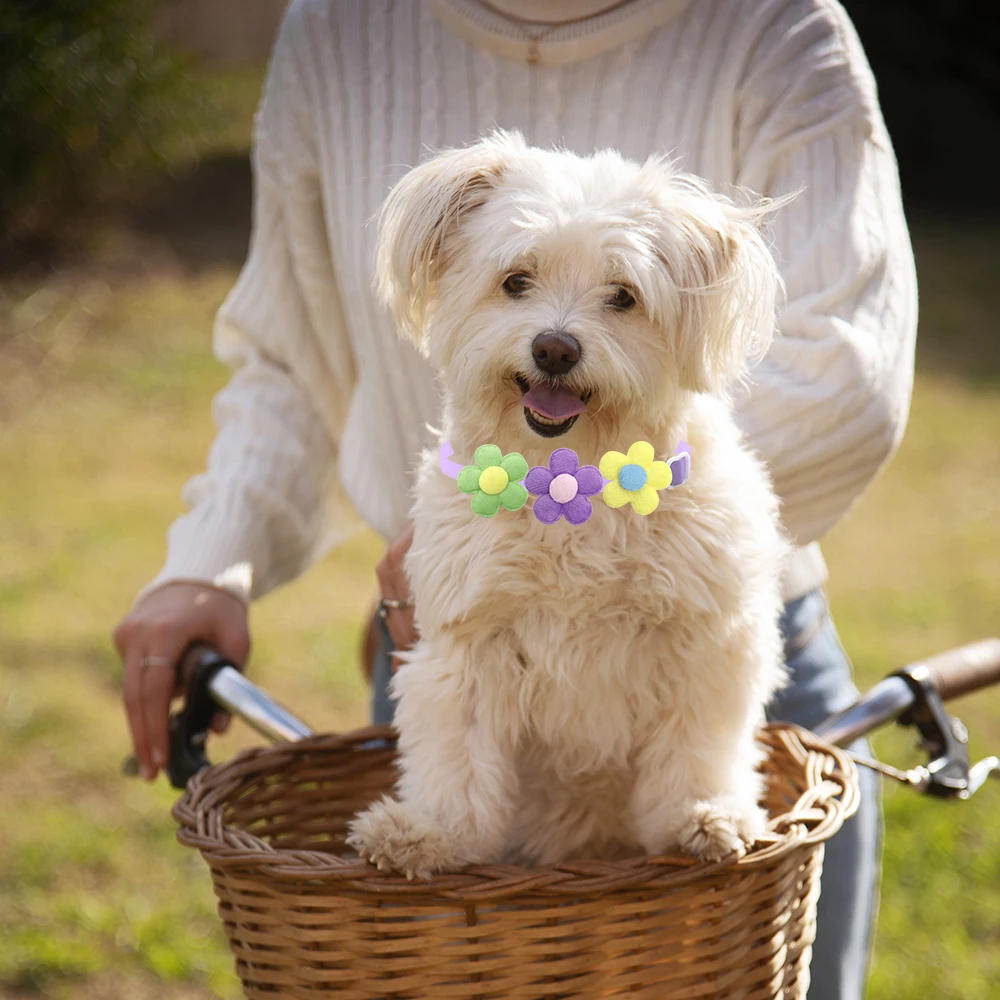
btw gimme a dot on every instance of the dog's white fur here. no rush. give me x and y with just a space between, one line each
592 690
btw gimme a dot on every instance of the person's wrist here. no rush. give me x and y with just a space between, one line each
236 592
193 567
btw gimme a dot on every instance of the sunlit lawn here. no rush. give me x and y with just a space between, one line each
105 382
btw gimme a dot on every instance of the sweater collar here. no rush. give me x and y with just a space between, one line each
558 44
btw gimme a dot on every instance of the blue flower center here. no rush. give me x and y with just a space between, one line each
632 477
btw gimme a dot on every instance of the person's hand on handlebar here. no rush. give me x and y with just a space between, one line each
395 586
151 639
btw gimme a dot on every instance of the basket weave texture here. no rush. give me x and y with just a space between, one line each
307 919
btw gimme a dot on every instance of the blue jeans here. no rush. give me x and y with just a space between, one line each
821 684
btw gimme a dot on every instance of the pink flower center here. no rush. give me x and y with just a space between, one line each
563 488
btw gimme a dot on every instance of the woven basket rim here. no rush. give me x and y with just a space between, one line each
832 797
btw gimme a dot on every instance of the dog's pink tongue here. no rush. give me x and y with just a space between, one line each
556 404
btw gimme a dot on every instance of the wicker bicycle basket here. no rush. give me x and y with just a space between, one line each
307 919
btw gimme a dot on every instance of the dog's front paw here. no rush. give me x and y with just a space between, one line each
394 839
718 828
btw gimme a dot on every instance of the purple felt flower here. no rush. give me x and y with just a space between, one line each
563 488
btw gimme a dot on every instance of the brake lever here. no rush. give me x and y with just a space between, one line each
943 736
949 773
978 773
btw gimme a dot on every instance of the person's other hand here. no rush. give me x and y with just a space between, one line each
151 639
396 587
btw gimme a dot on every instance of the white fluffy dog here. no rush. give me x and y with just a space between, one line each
586 690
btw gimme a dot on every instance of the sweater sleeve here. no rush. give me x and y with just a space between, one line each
257 514
828 405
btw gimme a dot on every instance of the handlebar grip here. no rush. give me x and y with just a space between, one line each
189 727
964 669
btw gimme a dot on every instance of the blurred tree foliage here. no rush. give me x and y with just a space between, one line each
88 93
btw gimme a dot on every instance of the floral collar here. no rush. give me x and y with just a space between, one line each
564 487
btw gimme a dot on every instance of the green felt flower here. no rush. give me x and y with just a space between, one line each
495 481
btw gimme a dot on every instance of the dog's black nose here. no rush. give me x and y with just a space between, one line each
554 352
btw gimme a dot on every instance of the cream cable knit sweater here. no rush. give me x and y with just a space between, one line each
774 95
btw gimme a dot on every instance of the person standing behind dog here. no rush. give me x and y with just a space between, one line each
774 96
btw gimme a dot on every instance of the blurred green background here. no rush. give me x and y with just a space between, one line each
106 377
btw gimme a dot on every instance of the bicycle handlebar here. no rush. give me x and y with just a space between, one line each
952 674
966 669
887 701
212 683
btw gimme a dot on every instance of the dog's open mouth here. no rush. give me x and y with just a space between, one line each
550 410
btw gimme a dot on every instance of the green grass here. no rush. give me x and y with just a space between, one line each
105 384
95 896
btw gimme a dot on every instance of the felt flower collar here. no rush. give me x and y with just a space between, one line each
564 488
495 480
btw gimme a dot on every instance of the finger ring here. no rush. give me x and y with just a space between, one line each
387 604
155 661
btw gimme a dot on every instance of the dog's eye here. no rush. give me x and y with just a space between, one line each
622 298
517 283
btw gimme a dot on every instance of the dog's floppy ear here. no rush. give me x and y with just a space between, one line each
727 283
421 216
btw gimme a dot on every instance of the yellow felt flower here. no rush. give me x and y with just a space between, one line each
635 478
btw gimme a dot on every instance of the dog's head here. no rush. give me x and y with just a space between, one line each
549 288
